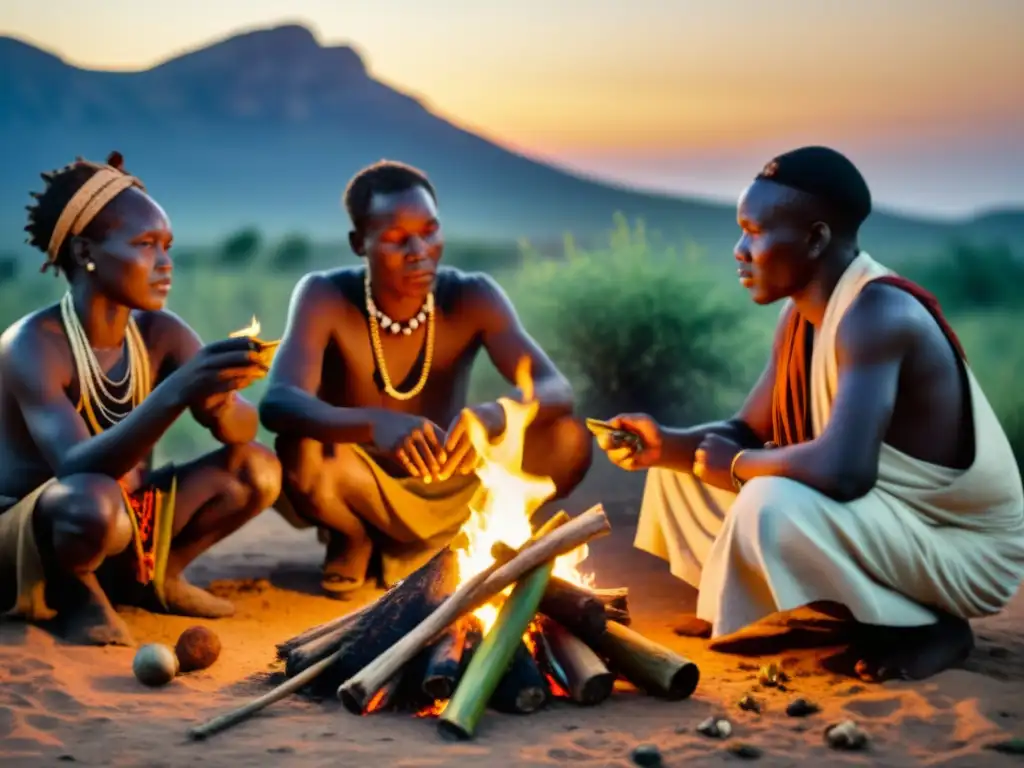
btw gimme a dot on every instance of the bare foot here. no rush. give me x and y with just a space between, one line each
344 565
89 618
913 653
690 626
184 599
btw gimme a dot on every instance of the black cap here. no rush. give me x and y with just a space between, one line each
825 174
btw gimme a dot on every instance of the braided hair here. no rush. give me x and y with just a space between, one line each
61 186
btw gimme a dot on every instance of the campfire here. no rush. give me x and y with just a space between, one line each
502 618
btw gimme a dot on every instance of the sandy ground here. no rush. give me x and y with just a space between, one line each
82 705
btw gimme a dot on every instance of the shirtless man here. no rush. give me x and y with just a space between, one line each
87 388
368 390
865 471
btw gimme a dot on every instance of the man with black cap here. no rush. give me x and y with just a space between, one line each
866 470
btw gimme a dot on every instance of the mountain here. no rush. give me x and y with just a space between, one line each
265 128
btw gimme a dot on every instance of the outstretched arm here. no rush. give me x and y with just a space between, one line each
507 342
873 340
36 370
751 427
229 417
291 406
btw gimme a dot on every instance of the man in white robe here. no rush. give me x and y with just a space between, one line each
866 469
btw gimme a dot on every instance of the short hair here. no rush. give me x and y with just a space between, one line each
826 175
384 177
61 186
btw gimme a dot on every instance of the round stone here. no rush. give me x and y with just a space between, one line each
197 648
155 664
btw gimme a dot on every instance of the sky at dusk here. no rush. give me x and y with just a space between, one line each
927 96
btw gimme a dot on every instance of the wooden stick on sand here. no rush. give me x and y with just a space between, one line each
355 692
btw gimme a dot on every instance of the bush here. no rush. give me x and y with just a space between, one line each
241 247
970 277
293 254
638 329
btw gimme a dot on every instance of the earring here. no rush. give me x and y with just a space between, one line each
90 266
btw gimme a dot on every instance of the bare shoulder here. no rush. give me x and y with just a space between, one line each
883 322
35 347
328 290
477 293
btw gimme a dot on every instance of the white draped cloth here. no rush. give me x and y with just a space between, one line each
925 536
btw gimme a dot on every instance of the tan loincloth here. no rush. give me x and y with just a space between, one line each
413 522
925 537
20 562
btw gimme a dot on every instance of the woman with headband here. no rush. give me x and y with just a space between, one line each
87 388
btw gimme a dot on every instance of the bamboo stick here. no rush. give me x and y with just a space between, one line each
491 660
243 712
589 681
473 593
648 665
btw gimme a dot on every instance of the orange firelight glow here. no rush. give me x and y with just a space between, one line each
508 496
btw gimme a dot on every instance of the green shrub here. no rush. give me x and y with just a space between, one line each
638 329
970 277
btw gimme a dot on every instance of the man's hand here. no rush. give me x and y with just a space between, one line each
712 461
414 442
629 458
462 458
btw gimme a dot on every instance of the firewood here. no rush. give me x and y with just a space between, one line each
389 619
522 689
492 659
588 680
649 666
287 646
474 592
387 696
237 715
579 609
309 653
447 659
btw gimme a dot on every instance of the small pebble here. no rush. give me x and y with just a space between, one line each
155 664
846 736
647 755
771 676
715 728
802 708
745 751
749 704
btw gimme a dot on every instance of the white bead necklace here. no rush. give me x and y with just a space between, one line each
394 326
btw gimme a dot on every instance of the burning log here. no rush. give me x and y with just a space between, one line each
522 689
445 663
478 590
616 604
309 653
391 618
651 667
287 646
582 611
387 695
587 679
493 657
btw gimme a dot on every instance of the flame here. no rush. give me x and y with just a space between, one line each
377 701
253 329
508 496
433 710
